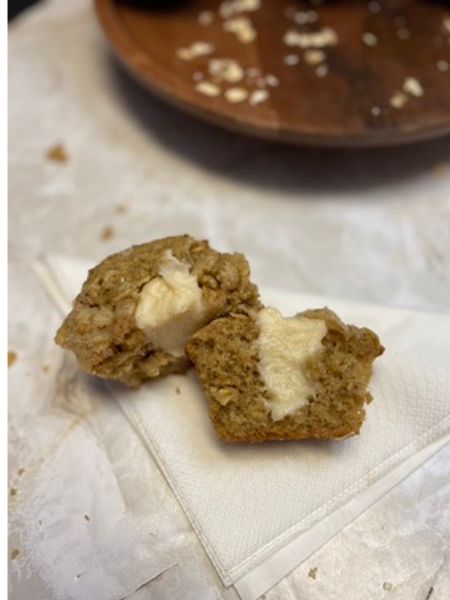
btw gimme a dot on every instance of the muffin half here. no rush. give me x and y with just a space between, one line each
138 308
267 377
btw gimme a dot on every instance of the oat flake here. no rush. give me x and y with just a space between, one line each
398 100
234 7
236 94
314 57
208 89
226 69
194 50
242 28
413 87
272 80
316 39
369 39
258 96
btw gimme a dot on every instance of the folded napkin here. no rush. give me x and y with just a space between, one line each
261 510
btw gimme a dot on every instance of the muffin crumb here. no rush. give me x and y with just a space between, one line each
248 373
58 153
313 573
107 233
12 358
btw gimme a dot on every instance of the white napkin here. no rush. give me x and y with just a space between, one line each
261 510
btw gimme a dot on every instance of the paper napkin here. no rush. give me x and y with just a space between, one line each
261 510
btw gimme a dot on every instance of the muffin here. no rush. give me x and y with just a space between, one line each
138 308
267 377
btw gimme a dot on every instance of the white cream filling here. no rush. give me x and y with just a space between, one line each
170 308
285 344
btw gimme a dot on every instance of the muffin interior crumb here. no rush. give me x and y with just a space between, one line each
226 356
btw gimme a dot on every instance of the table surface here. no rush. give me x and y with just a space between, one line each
372 225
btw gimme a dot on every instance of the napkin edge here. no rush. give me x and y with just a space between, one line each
268 573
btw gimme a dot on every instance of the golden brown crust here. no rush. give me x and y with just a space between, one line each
225 355
101 328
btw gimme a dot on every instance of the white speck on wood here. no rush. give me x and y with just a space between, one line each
236 94
194 50
242 28
316 39
369 39
234 7
314 57
413 87
398 100
226 69
207 88
258 96
272 80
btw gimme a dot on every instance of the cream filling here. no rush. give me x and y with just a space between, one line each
170 308
285 344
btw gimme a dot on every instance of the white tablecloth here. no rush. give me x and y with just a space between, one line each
359 225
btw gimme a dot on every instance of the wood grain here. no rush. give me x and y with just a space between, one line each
349 106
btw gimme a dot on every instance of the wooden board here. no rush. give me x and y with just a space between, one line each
346 99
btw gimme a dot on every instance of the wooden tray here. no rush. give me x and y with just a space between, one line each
383 78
